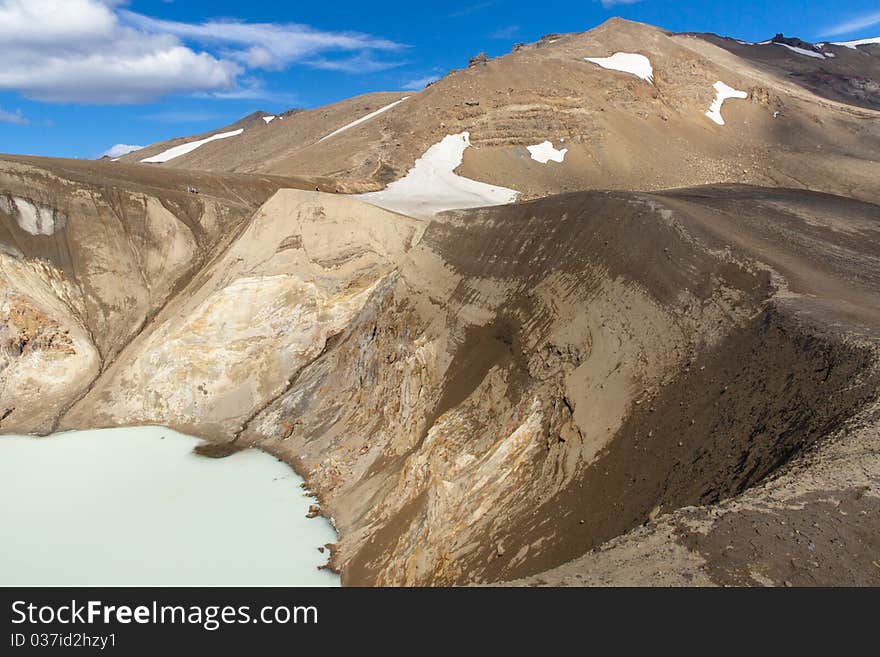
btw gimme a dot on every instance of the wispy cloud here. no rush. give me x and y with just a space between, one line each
96 52
15 117
505 32
181 116
853 24
420 83
613 3
264 45
471 9
362 63
250 88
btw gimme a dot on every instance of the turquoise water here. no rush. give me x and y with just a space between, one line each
136 506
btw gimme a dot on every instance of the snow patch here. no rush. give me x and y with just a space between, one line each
432 185
189 147
269 119
855 44
364 118
802 51
544 152
32 218
722 93
628 62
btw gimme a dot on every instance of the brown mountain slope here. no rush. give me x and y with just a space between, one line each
268 147
621 132
251 124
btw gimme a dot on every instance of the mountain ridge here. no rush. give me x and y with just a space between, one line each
620 132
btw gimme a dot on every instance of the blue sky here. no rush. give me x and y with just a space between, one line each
79 76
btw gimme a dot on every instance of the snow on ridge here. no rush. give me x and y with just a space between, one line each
363 119
432 185
189 147
627 62
802 51
544 152
269 119
855 44
722 93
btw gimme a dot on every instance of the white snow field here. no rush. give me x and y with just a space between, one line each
183 149
544 152
722 93
269 119
803 51
628 62
855 44
432 185
364 118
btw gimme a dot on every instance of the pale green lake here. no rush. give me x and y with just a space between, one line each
135 506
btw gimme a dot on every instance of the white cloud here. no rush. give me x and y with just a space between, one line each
15 117
91 51
78 51
119 150
853 24
29 22
420 83
265 45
